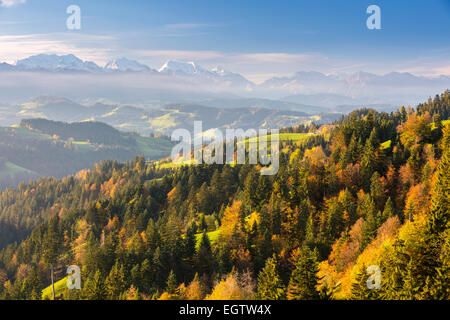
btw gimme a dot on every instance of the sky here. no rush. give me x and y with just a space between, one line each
257 38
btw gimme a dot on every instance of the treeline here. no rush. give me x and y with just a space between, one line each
372 190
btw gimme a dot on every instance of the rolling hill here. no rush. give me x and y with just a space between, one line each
146 119
40 147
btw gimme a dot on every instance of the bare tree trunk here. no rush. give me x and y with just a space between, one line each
53 284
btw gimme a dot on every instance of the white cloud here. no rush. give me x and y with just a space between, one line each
256 66
11 3
87 47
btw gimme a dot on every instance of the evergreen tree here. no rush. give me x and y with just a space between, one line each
270 285
440 202
115 282
376 191
250 186
371 221
172 283
368 164
304 279
94 288
388 211
360 290
190 242
310 231
205 260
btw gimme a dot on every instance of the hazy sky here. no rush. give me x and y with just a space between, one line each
254 37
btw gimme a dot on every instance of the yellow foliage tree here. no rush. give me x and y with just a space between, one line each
230 220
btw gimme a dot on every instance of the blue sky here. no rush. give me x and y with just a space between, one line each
254 37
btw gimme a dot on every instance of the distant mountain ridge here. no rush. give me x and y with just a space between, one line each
43 62
247 113
128 81
125 65
67 63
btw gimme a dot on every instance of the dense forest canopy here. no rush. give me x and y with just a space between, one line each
371 189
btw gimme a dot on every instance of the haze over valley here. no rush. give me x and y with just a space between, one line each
125 81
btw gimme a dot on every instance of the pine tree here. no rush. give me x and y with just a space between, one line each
158 268
172 283
190 242
376 191
203 225
388 211
310 231
264 249
368 164
115 282
205 261
95 288
335 219
270 285
439 128
250 186
360 290
440 207
304 279
371 221
410 287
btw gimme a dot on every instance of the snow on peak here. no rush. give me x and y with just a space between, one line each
219 70
56 63
188 68
124 64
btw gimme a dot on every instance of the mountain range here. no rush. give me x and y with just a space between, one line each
369 87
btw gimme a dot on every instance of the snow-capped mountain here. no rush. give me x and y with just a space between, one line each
56 63
219 70
217 75
230 77
126 65
181 68
177 78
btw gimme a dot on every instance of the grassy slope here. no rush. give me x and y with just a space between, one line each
386 145
294 137
10 169
213 237
60 286
153 147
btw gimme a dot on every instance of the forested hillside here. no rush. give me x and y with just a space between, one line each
40 148
371 189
